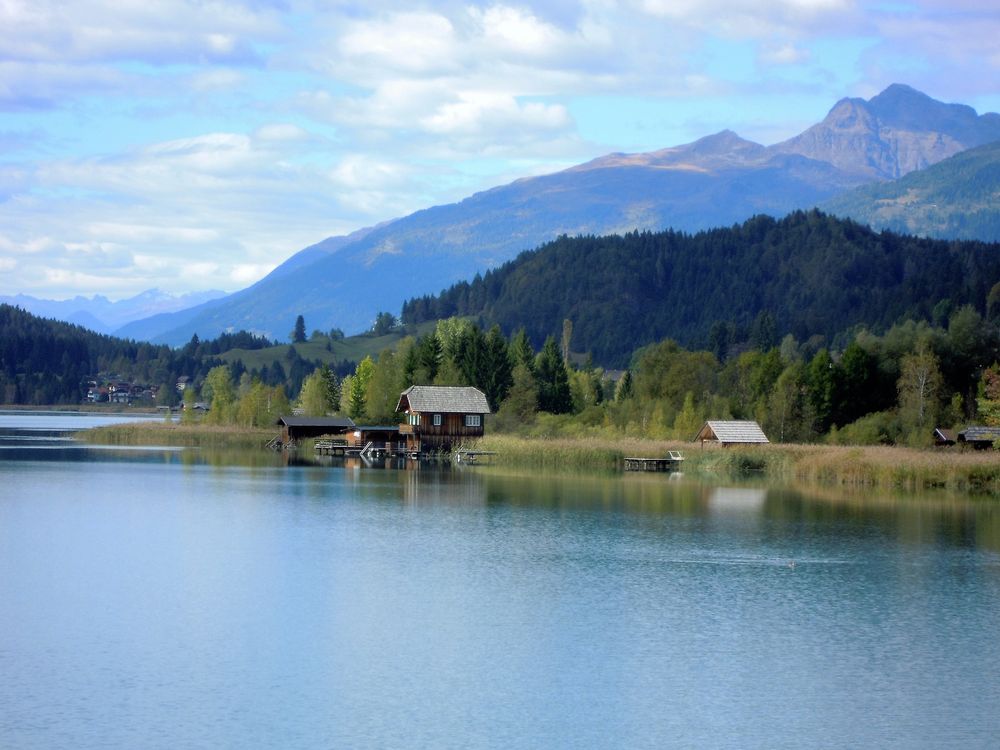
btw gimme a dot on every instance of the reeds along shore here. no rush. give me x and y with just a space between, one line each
178 434
846 466
869 466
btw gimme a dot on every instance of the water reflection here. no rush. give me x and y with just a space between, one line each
218 599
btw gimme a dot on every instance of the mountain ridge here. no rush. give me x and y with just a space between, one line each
100 314
718 180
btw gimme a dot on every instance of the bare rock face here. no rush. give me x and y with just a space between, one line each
897 132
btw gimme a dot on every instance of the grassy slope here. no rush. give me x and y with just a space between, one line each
954 199
352 348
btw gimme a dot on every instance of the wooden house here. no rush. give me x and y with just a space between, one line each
731 432
438 417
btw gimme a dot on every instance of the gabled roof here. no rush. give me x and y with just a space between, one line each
732 431
340 422
445 399
944 435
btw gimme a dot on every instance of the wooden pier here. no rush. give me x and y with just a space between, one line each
331 448
672 462
472 457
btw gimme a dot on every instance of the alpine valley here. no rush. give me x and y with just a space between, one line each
849 162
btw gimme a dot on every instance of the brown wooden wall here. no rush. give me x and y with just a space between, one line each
451 430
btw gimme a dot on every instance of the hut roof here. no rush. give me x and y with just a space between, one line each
732 431
334 422
944 435
978 434
448 399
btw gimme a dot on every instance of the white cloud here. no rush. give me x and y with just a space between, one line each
782 54
419 42
188 144
192 213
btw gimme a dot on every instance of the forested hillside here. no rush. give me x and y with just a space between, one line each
808 274
48 362
955 199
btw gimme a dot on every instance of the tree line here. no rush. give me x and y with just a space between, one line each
808 274
894 387
45 362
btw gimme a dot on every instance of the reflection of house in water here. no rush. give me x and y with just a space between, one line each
736 500
444 485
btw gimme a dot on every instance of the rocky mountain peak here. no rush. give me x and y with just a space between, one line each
892 134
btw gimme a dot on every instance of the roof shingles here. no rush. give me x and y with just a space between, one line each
444 399
732 431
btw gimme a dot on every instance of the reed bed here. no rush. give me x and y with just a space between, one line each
174 434
884 467
570 453
828 465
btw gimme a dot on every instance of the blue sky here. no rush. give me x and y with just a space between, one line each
191 145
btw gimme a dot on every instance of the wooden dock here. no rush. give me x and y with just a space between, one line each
331 447
672 462
472 457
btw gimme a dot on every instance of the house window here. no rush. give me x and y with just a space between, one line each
414 419
437 420
473 420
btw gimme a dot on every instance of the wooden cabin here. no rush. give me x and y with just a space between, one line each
731 432
438 416
979 437
299 428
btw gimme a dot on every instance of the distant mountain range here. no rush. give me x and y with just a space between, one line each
100 314
716 181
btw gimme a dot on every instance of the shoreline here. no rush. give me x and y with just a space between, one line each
152 411
857 467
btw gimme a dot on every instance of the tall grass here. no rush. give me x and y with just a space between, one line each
193 435
826 465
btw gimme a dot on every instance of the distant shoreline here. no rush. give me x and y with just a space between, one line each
152 411
875 467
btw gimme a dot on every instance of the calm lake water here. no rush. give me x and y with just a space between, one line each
162 598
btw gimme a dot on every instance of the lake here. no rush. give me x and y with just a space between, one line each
166 598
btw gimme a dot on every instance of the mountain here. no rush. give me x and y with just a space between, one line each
716 181
100 314
892 134
956 198
806 274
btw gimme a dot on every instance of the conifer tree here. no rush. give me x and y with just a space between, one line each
553 383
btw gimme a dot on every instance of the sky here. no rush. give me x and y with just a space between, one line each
189 145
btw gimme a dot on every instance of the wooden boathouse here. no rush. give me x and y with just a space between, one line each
295 428
440 417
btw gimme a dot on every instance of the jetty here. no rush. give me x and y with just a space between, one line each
472 456
671 462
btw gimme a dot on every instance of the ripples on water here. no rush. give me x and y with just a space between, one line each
158 599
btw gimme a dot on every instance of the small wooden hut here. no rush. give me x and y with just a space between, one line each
979 437
731 432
